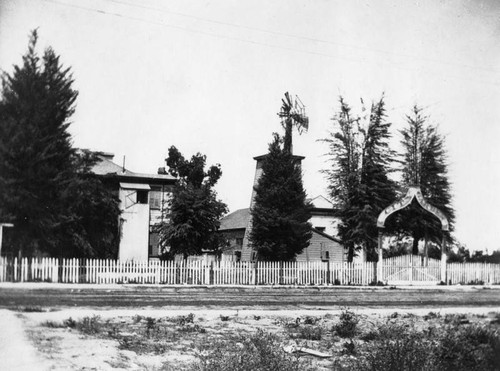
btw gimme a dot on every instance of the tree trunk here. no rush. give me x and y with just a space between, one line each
350 254
416 239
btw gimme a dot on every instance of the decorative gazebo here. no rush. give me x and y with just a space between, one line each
414 192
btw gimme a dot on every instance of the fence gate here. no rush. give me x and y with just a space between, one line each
411 270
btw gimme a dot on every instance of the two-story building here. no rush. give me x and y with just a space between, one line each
143 202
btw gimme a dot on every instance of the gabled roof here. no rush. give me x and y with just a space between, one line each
239 220
236 220
106 167
320 202
314 230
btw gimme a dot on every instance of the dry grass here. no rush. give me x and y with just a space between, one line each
199 342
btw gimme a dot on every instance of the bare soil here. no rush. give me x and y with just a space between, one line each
173 339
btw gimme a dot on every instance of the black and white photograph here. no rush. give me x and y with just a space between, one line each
249 185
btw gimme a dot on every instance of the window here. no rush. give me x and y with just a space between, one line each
142 196
155 200
325 255
253 256
154 242
237 255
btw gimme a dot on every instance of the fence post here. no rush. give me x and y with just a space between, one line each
378 276
443 260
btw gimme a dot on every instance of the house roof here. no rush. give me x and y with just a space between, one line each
314 230
239 220
320 202
236 220
106 167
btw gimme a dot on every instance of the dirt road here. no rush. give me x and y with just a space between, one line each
125 296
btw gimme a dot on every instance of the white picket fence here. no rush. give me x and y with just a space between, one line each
184 272
403 270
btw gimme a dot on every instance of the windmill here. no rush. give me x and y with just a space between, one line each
293 113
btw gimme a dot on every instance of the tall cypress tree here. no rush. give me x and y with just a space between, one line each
359 182
45 187
424 164
35 149
280 227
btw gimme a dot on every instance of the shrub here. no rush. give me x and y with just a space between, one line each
53 324
89 325
192 328
182 320
70 322
396 348
347 326
310 320
349 347
308 333
260 351
468 348
369 336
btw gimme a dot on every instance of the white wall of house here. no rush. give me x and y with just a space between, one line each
134 227
318 245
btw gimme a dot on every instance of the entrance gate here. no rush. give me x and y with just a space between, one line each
411 270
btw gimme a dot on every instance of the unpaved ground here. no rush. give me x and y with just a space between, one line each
283 297
112 347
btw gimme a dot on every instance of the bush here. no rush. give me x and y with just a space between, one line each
70 322
396 348
53 324
89 325
347 327
468 348
259 352
308 333
311 320
182 320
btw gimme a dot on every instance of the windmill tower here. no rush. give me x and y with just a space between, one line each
292 114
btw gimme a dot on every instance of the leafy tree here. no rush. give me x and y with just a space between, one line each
94 230
42 187
280 227
359 182
194 211
424 163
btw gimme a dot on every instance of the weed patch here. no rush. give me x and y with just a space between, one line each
347 326
261 351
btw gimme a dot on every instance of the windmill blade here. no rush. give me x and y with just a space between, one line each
287 96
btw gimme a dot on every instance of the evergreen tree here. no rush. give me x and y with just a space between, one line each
42 182
424 164
359 182
35 150
194 211
280 227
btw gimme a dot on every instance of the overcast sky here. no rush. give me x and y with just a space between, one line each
208 76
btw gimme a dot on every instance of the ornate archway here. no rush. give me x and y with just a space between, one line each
414 192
